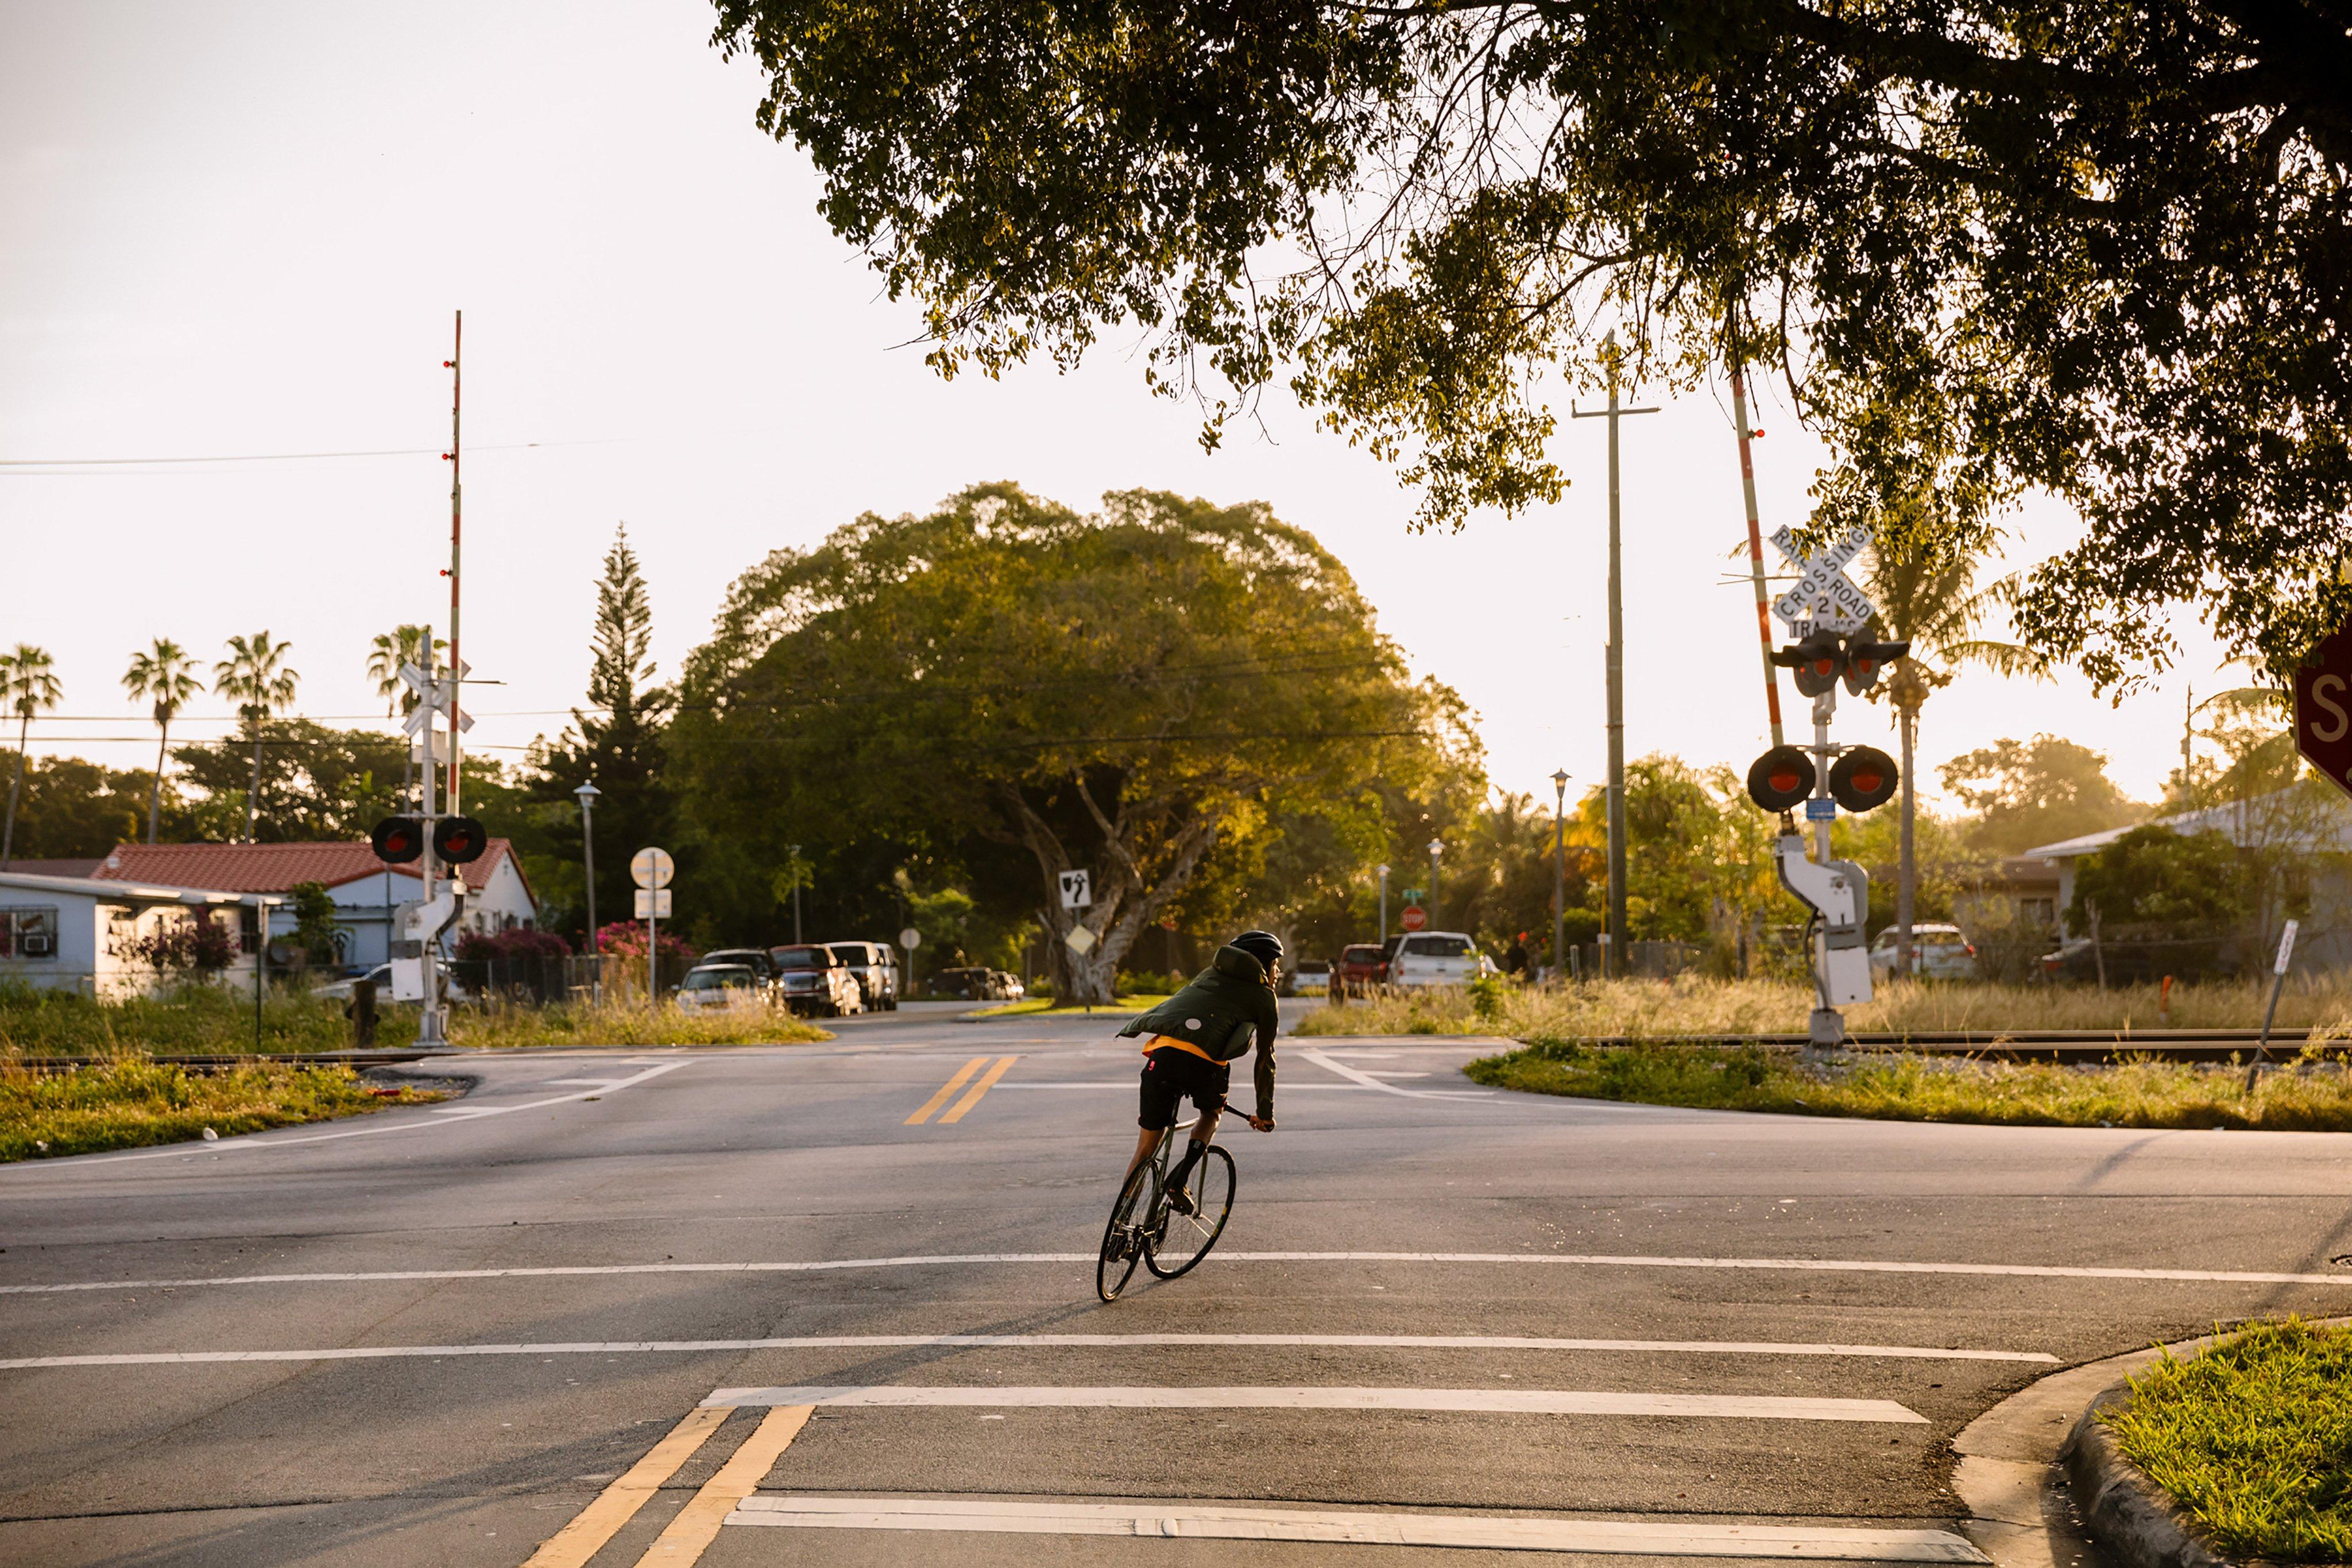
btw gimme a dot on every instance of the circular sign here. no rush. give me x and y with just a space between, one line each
910 938
1413 918
652 868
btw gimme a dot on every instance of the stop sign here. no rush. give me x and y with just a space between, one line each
1413 918
2323 706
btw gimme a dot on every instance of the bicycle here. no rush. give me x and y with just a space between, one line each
1145 1227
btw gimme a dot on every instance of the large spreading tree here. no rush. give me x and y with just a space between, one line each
2099 248
1129 693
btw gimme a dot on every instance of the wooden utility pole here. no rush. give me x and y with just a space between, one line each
1617 934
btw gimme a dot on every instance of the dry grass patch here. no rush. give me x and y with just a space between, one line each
625 1021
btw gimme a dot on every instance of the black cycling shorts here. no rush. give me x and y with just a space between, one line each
1171 1076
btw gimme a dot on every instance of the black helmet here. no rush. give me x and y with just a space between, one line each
1263 946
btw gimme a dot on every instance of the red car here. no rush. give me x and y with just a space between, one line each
1363 965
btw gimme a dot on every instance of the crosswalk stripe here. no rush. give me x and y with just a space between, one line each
987 1083
580 1539
689 1535
1492 1401
939 1099
1018 1342
1680 1538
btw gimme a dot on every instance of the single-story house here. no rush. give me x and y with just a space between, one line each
2311 817
2016 893
372 899
75 932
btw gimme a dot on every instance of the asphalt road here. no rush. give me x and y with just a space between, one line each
456 1335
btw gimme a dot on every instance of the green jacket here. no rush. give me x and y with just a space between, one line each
1220 1010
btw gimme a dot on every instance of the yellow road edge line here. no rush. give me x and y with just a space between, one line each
980 1088
689 1535
618 1503
939 1099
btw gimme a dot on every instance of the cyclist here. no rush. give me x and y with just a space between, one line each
1191 1041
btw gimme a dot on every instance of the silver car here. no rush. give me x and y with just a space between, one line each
1939 952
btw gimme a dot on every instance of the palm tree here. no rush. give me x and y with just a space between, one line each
255 677
391 650
166 675
1924 590
28 682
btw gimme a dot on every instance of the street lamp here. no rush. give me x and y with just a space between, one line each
1437 848
1384 903
1559 873
586 795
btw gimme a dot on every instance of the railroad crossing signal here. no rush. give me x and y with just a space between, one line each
397 839
1863 779
1780 778
1820 658
2322 707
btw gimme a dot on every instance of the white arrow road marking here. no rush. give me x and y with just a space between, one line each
1368 1081
1017 1342
1681 1538
1272 1396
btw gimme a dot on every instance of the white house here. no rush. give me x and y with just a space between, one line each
72 933
371 897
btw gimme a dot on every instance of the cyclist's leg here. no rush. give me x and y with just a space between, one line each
1157 1111
1146 1140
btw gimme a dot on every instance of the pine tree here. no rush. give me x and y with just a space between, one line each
616 740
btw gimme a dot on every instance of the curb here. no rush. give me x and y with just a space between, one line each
2122 1507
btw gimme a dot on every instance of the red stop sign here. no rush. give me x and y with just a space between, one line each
1413 918
2323 706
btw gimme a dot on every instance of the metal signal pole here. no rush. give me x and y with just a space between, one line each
456 520
1756 549
1616 668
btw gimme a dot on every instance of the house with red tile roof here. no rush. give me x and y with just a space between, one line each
372 899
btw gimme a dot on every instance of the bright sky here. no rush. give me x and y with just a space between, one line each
241 228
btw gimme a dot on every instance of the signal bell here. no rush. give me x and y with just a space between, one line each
1863 778
459 841
1781 777
397 839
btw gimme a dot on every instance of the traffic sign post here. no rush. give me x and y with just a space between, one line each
1077 892
2322 707
652 870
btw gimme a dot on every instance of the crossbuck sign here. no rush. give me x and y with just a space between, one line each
1824 599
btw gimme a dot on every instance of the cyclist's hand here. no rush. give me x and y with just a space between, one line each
1262 1123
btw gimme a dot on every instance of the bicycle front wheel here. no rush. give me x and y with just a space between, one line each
1177 1241
1123 1241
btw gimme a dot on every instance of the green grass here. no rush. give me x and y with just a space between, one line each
130 1103
199 1020
2318 1007
2303 1096
2253 1436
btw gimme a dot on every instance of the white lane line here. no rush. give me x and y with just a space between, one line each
578 1083
449 1115
1277 1396
939 1260
1611 1536
1023 1341
1368 1081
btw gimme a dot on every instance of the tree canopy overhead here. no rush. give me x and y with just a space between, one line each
1119 693
2095 247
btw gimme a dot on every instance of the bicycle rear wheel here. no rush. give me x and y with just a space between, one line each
1177 1241
1123 1242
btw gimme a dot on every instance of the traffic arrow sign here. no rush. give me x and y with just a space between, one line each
2322 707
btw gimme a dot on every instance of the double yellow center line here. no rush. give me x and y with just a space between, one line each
690 1532
963 1076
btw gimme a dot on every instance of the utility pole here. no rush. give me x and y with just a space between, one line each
1384 904
1559 874
1755 548
1437 848
796 896
1616 956
431 1029
456 520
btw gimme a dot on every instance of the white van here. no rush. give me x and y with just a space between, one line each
1437 959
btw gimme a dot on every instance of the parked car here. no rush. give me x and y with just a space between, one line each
1307 975
814 983
1438 958
720 988
875 967
1939 953
1010 985
759 960
973 983
453 988
1363 967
